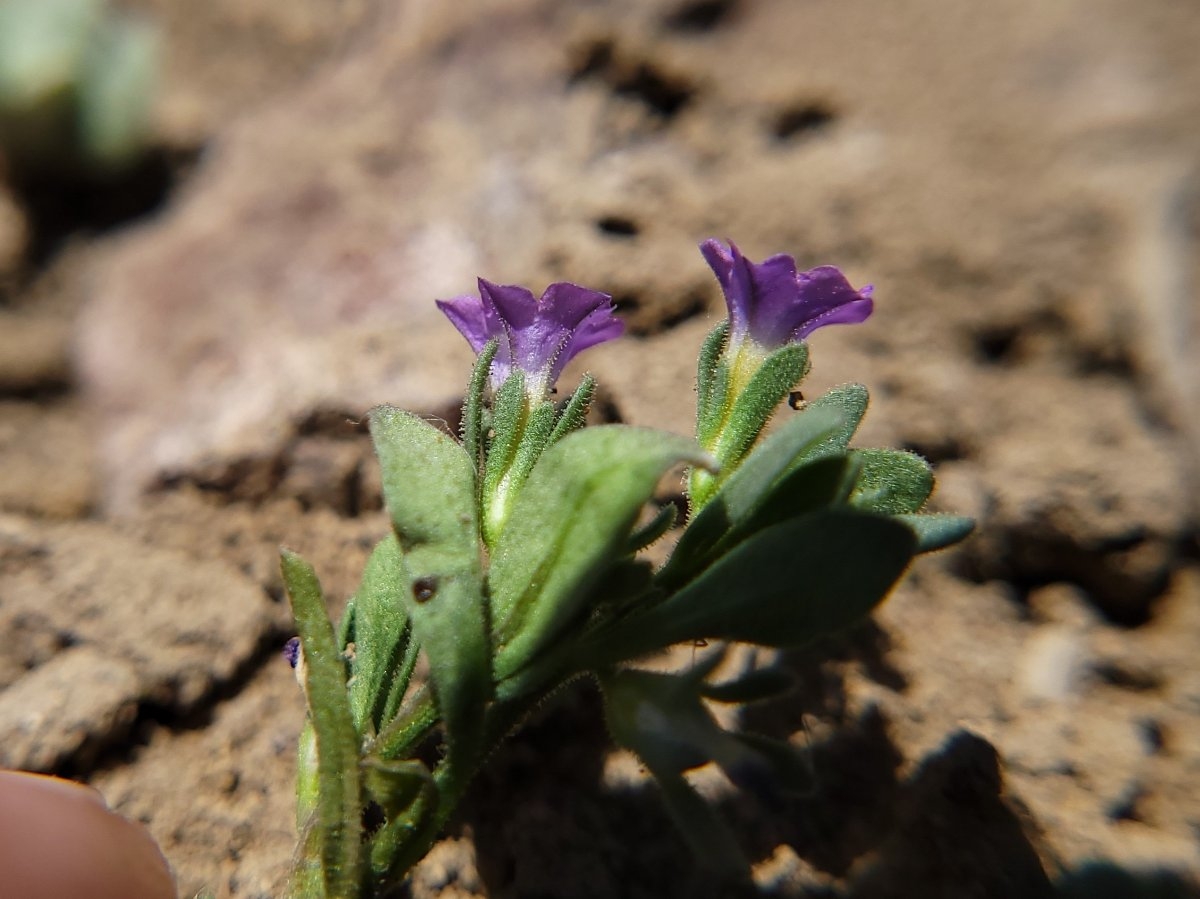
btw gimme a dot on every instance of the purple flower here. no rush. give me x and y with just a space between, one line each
774 304
539 337
291 651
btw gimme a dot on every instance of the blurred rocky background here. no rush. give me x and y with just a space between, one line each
204 284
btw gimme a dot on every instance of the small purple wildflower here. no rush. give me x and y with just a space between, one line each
291 651
774 304
538 337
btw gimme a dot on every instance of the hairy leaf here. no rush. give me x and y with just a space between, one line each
891 482
750 485
712 382
753 686
571 521
338 804
574 414
784 586
937 531
381 635
472 416
429 487
851 401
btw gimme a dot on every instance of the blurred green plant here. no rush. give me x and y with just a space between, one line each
514 566
77 82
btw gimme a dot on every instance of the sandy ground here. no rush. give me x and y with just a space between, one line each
183 354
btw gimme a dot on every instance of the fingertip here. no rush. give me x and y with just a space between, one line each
58 839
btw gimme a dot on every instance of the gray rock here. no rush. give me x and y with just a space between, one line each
141 623
1053 665
66 708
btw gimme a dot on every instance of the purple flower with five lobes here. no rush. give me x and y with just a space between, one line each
538 337
774 304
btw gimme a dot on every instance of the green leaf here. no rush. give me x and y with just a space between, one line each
429 487
753 686
851 401
660 718
709 838
654 529
509 412
784 586
712 383
769 386
574 414
814 485
937 531
116 88
345 628
308 782
408 726
891 482
508 419
570 522
381 635
407 796
735 435
306 879
396 785
750 485
401 677
792 770
623 585
539 428
339 811
472 418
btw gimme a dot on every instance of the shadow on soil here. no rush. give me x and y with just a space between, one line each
544 825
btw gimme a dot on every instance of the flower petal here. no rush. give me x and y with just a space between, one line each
537 336
731 269
830 300
773 304
468 315
586 318
514 305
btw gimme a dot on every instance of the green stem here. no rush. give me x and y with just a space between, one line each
416 719
502 719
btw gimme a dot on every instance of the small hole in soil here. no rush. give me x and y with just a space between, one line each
700 15
627 302
1153 735
590 60
1136 680
662 94
341 424
802 120
693 305
1108 360
646 322
1126 807
59 204
945 449
997 345
617 226
606 411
